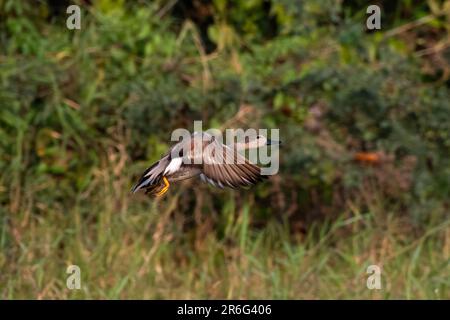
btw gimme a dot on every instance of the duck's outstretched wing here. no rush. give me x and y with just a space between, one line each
223 166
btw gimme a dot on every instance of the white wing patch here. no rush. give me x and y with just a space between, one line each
174 165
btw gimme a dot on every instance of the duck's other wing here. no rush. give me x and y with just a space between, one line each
223 166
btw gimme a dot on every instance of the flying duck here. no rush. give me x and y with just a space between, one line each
204 156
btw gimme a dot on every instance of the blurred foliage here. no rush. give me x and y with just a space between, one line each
362 114
136 71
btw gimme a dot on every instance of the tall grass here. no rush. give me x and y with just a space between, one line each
132 247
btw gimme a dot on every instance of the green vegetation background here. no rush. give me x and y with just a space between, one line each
365 167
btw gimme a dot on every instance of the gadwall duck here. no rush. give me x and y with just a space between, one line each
204 156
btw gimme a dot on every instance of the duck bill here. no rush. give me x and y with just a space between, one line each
273 142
